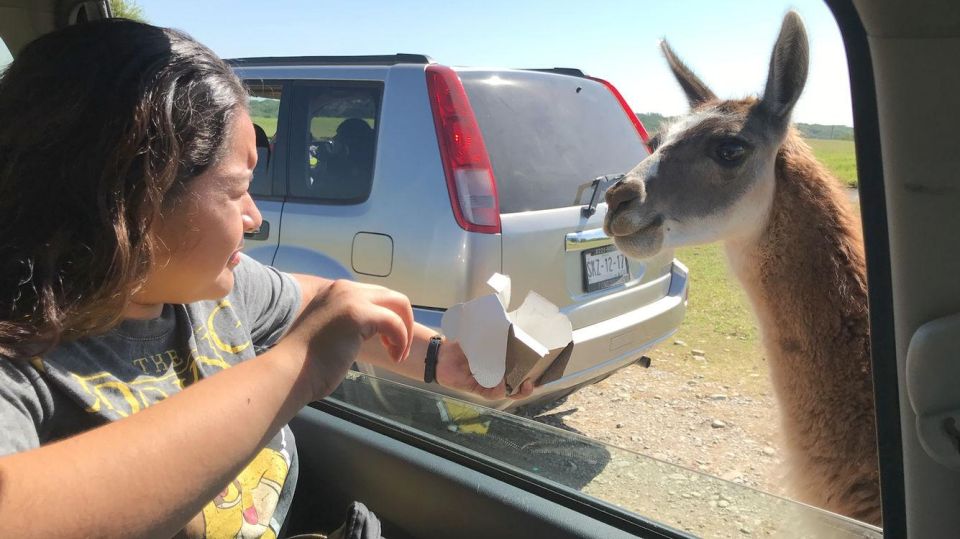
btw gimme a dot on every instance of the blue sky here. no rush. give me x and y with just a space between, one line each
726 42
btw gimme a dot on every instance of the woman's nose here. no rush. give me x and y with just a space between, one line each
251 216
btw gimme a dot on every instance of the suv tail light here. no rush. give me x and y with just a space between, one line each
466 164
641 131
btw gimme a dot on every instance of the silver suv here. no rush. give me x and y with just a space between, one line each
427 179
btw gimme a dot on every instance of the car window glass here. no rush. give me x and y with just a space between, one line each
339 143
265 112
711 406
696 438
681 498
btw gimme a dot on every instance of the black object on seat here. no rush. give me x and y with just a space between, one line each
263 143
357 162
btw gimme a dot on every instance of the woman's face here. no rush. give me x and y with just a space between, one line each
201 237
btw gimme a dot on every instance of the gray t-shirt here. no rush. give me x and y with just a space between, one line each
89 382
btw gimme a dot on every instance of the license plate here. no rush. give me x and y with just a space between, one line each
604 267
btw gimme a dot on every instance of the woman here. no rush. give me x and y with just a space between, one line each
149 368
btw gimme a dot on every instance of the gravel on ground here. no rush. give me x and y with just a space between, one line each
695 454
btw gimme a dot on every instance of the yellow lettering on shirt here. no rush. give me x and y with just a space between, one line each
215 339
175 360
159 362
141 362
169 371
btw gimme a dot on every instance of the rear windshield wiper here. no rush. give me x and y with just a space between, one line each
597 183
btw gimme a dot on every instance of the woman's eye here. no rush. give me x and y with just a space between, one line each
731 152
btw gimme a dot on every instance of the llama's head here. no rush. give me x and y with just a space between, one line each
711 176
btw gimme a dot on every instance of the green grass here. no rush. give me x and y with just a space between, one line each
269 125
838 156
717 303
719 322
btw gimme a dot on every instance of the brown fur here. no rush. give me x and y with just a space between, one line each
806 279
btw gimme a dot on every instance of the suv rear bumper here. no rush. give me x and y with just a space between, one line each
620 341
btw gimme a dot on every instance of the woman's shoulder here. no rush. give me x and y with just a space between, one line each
23 386
256 287
22 370
250 272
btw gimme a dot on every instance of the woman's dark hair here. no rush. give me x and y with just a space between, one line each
101 126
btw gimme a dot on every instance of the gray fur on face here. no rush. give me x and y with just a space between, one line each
690 190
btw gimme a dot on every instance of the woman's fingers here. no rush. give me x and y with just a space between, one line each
406 314
410 321
496 392
399 304
526 388
387 313
393 329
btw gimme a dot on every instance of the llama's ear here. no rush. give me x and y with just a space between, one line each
697 92
788 68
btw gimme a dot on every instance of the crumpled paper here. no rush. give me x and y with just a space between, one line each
533 341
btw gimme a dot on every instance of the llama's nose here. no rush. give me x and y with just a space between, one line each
623 192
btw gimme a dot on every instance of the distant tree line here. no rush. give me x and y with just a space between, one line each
652 122
830 132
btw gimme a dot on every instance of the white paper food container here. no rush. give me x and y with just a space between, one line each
534 341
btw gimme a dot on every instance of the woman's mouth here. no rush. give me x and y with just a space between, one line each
234 259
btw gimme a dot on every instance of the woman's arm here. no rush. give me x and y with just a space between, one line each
453 370
148 474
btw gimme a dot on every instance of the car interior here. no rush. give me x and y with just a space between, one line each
427 482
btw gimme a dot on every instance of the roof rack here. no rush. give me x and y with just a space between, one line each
572 71
371 60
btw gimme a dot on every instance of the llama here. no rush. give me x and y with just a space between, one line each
736 171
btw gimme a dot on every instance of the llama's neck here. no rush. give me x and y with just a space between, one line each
805 277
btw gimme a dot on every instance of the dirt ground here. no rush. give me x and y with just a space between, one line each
683 420
669 416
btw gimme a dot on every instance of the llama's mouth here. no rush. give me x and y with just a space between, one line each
623 222
636 239
655 224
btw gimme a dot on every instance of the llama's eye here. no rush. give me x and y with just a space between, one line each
730 152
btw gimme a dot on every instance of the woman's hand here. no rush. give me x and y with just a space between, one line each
340 317
453 371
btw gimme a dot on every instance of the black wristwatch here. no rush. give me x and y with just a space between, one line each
430 362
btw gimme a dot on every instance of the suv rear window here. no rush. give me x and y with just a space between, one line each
549 136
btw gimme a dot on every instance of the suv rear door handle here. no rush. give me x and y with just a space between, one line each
261 233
